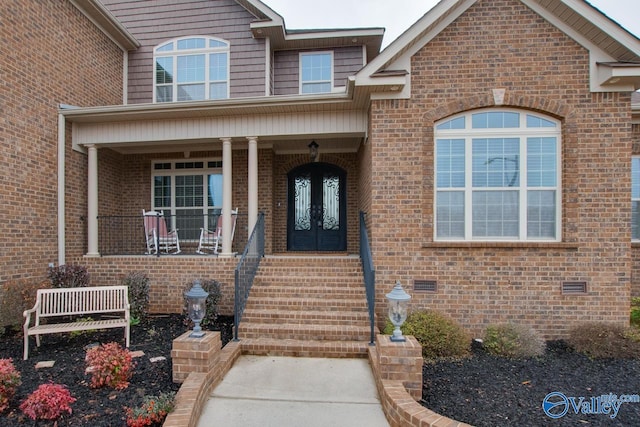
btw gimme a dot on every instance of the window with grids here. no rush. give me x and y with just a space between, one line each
635 198
191 69
189 192
497 177
316 72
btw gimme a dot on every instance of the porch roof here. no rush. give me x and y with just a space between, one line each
286 122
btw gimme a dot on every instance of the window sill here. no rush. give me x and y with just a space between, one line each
502 245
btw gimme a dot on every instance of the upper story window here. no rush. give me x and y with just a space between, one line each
497 175
316 72
191 69
635 198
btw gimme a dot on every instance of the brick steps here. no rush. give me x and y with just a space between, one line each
304 317
282 303
304 348
301 331
303 291
310 306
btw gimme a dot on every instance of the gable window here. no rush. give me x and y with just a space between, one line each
635 198
188 191
316 72
191 69
497 175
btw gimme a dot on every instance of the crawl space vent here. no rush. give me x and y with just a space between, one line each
574 288
425 286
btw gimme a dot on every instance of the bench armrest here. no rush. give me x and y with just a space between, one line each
27 314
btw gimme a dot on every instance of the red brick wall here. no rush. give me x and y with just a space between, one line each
542 70
50 54
635 248
169 276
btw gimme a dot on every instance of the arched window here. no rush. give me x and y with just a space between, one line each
497 177
191 69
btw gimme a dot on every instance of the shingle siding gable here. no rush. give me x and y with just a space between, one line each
153 22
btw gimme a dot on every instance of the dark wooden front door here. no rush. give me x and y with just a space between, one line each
316 216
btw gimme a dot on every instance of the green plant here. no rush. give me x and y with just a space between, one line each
48 402
439 336
153 410
68 276
138 284
600 340
9 382
15 297
212 287
513 340
110 365
635 311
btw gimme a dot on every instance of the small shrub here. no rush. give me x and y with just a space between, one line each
68 276
604 341
48 402
138 284
110 365
439 336
212 287
9 382
513 341
16 296
635 311
152 412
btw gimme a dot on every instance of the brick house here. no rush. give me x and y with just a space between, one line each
494 166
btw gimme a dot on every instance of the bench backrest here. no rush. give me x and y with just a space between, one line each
84 300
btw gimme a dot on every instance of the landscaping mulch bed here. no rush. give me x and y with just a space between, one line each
104 406
486 390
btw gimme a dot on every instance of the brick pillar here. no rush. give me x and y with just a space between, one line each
194 354
401 361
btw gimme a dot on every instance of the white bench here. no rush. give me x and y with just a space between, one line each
52 303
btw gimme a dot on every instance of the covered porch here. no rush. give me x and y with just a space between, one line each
196 161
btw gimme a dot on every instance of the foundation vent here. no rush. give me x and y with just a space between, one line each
574 288
425 286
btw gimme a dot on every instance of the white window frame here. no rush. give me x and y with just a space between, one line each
303 83
175 53
522 133
635 159
205 171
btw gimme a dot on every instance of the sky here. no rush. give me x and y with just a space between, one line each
398 15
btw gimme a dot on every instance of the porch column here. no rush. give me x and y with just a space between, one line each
92 201
252 203
227 198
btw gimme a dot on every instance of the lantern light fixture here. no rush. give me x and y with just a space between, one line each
398 305
197 307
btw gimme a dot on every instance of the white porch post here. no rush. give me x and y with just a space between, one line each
227 198
92 201
252 185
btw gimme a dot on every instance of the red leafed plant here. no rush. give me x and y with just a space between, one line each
48 402
110 365
152 412
9 382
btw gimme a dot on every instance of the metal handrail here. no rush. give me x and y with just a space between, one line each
246 271
369 274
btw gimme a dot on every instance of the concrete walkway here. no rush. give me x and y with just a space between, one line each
295 391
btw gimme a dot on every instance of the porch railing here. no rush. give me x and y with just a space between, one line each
246 271
369 274
124 234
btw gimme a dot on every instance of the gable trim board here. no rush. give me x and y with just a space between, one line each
615 45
